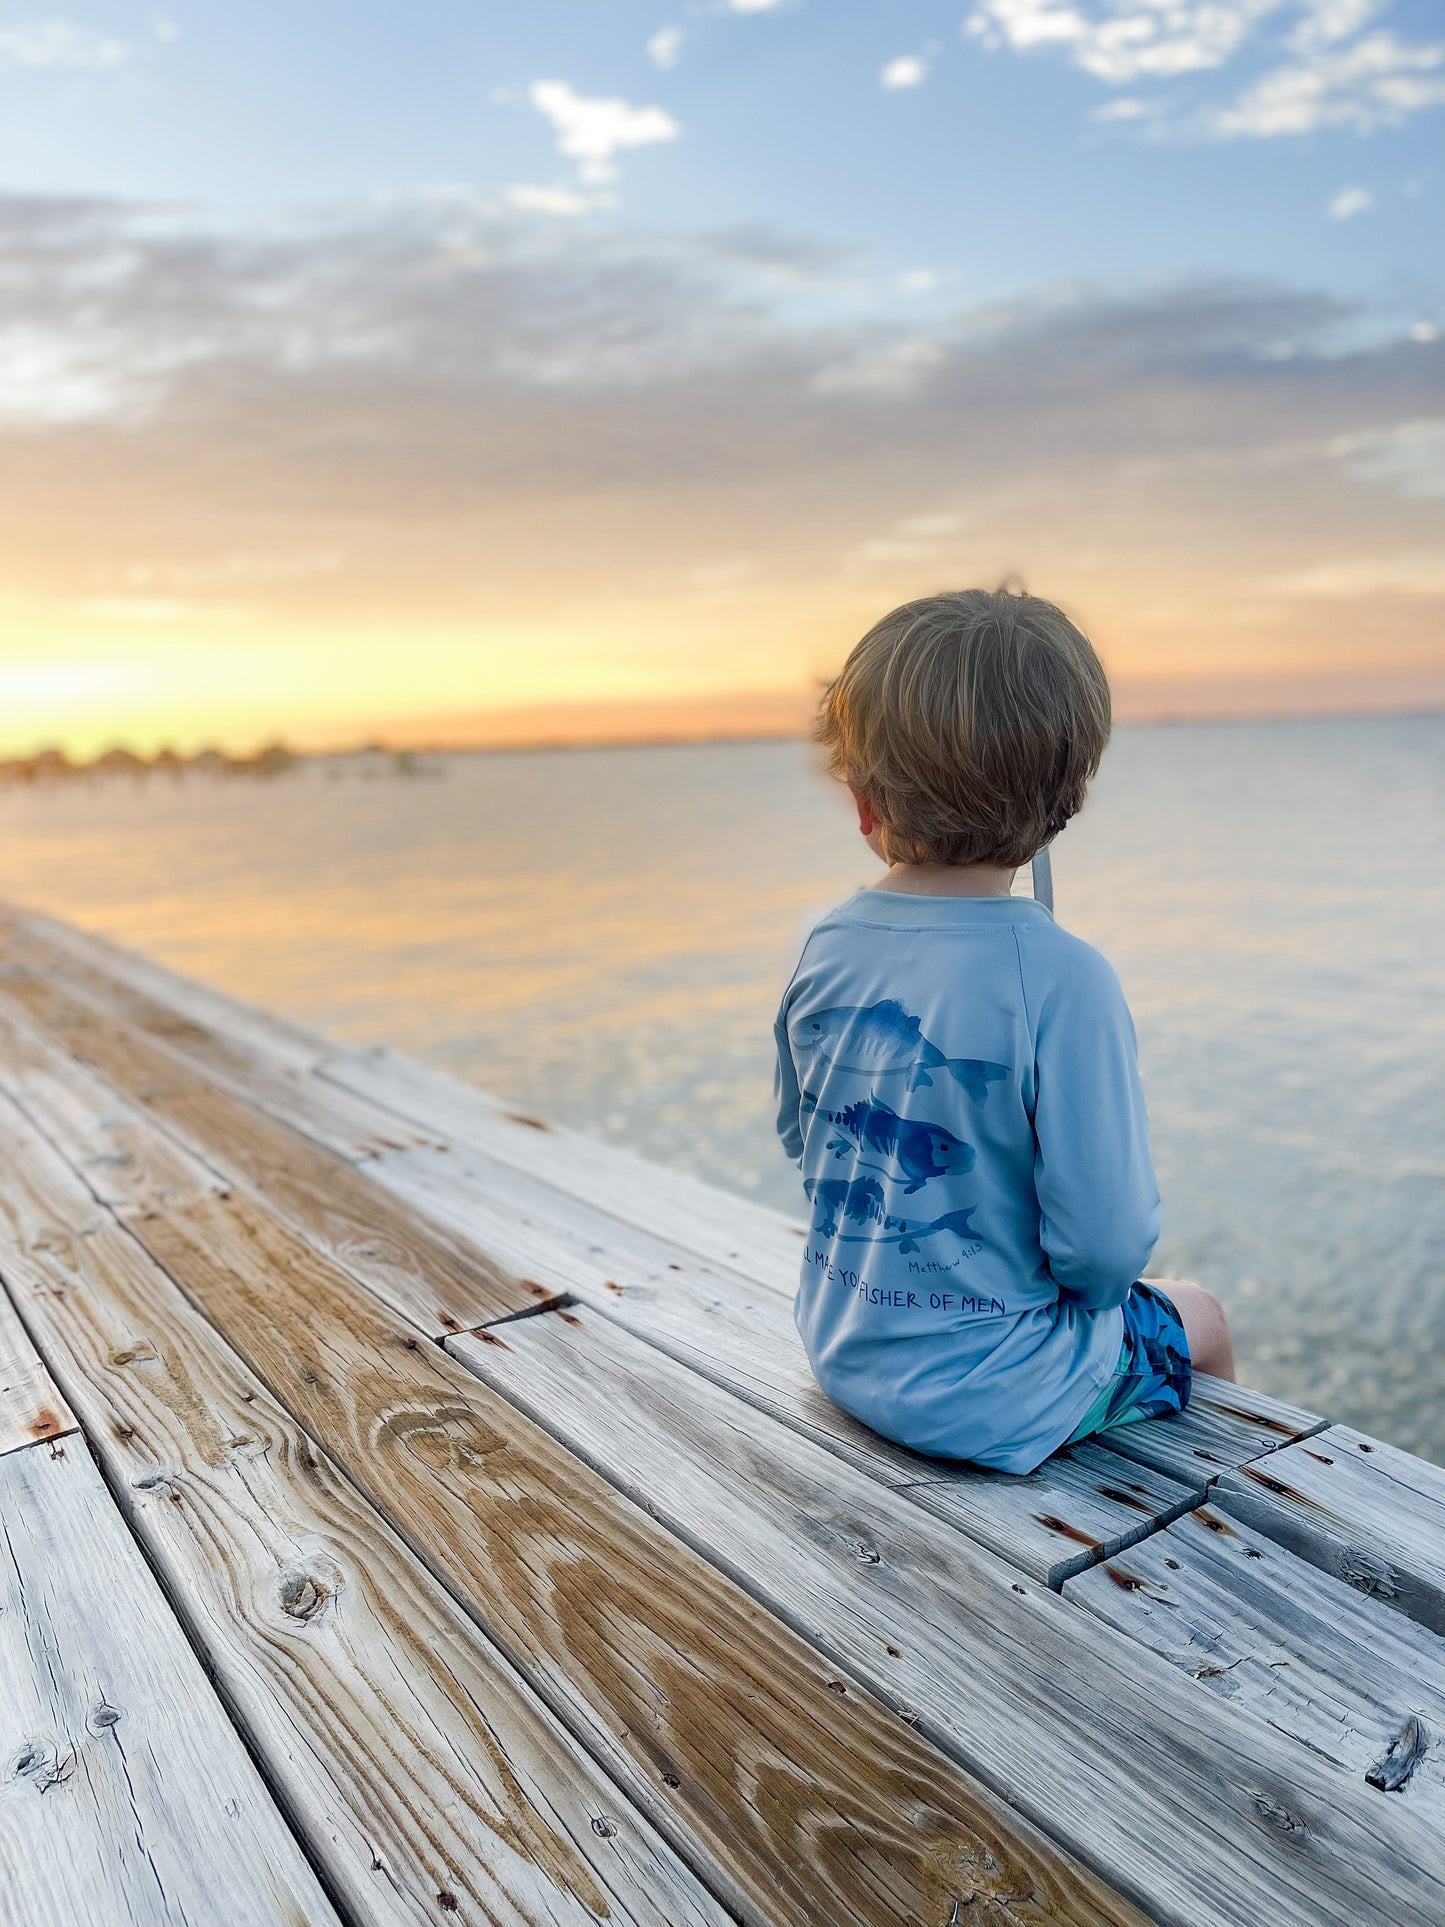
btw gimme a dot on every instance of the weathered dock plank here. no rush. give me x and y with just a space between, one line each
715 1225
412 1263
426 1780
1340 1673
278 1089
126 1796
1199 1810
261 1034
1224 1426
274 1065
1355 1507
31 1406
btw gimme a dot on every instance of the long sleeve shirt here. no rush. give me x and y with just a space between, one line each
958 1078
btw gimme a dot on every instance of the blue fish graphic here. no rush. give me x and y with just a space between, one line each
919 1149
960 1223
860 1200
883 1040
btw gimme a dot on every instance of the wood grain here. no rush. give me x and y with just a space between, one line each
427 1781
283 1090
696 1217
1339 1672
31 1407
798 1798
126 1796
1198 1810
420 1269
1357 1508
266 1037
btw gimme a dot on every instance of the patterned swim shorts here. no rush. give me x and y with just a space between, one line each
1153 1374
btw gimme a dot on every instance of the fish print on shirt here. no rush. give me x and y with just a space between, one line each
916 1148
883 1040
861 1201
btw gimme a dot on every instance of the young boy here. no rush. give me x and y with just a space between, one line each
957 1075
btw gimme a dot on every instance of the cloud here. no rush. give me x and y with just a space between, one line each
906 71
752 6
1408 458
665 47
1414 574
1349 202
491 426
593 130
1125 108
550 200
919 280
1333 72
59 43
1379 81
1125 42
912 539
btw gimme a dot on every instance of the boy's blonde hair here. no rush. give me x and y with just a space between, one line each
973 722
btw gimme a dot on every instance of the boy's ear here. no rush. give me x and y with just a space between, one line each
867 817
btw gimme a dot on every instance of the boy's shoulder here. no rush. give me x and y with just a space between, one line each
1058 964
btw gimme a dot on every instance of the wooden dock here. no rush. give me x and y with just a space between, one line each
411 1512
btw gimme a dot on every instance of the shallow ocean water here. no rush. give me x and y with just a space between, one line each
602 935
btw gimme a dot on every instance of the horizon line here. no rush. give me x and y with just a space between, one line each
748 715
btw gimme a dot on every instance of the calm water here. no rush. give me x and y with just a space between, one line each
602 935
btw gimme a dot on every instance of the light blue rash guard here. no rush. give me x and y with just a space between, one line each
958 1077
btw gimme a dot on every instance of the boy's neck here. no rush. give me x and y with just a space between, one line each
947 880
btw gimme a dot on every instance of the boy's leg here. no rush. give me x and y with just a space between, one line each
1211 1349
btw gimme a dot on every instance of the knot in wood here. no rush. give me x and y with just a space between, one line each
105 1716
603 1827
1367 1572
865 1554
1405 1753
441 1436
303 1594
1275 1815
40 1764
130 1354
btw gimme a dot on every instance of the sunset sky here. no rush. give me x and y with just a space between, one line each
371 369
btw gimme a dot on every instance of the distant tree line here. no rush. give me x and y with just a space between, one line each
54 766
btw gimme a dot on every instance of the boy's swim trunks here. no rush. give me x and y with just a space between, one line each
1153 1375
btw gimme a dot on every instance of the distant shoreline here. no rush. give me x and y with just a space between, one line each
51 768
